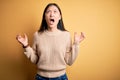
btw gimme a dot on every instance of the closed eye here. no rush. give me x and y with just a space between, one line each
47 11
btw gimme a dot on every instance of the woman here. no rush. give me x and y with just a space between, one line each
52 47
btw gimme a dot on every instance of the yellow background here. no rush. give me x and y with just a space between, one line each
99 57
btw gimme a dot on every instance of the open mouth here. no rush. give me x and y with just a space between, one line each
52 20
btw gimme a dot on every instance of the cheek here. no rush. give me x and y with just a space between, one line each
46 18
58 17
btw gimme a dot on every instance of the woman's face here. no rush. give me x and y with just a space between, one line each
52 16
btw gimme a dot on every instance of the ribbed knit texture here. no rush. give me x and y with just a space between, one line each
51 52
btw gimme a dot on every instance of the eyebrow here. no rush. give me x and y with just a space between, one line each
51 10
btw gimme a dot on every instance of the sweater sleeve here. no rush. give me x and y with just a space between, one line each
71 52
31 52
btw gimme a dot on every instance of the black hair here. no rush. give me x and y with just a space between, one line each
44 26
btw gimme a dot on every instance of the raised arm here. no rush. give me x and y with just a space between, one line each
73 49
30 52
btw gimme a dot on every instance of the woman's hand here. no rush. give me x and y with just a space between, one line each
78 38
22 39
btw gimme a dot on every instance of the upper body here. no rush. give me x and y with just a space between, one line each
51 52
52 47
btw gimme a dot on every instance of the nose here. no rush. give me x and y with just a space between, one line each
52 14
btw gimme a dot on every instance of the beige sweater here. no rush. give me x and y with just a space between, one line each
51 52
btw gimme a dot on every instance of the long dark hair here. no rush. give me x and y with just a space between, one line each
44 26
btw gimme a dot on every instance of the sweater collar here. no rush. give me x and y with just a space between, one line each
53 33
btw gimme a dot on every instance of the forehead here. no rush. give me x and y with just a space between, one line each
52 7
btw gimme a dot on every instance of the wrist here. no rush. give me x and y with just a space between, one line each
25 46
76 42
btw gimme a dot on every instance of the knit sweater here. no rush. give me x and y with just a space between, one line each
52 51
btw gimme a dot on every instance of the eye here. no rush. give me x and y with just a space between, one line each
47 11
55 11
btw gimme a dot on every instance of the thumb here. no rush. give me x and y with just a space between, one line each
75 33
82 34
25 36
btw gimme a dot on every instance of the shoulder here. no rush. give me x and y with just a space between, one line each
35 34
66 34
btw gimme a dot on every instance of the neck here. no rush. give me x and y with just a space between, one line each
53 29
53 32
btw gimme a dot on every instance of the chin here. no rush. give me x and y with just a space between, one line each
52 26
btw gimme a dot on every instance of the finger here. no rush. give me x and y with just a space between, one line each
82 34
18 36
75 33
25 35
